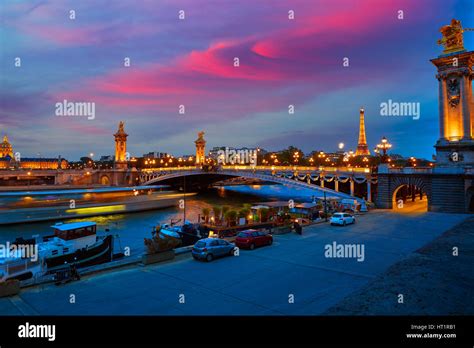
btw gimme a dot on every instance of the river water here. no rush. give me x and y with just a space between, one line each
132 228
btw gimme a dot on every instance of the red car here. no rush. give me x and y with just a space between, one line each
252 238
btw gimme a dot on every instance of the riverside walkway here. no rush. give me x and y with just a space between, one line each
291 277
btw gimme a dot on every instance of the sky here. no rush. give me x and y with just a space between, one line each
191 62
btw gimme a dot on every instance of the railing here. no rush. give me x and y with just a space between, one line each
167 169
430 170
411 170
268 168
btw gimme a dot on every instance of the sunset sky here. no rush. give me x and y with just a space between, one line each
190 62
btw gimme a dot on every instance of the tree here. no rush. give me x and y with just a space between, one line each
263 214
225 209
244 212
288 157
205 213
217 211
87 161
231 216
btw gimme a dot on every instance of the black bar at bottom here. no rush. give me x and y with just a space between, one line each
446 330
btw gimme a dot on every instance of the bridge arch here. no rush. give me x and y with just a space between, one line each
214 176
105 180
404 187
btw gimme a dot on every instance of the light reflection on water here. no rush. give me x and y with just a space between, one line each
133 227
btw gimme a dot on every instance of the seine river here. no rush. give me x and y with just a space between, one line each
132 228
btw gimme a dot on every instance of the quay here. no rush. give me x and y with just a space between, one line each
256 282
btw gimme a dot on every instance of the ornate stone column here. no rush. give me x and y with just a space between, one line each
466 104
369 193
442 106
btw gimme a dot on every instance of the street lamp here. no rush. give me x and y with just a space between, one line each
296 157
384 146
325 208
365 160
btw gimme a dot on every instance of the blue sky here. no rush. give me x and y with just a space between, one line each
190 62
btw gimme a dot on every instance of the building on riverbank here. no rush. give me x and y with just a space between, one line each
10 160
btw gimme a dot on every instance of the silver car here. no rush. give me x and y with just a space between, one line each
210 248
342 219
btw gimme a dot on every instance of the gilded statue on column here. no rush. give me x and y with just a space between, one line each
452 37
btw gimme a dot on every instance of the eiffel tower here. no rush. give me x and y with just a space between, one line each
362 148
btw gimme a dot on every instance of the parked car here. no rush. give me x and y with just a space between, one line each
342 219
249 239
210 248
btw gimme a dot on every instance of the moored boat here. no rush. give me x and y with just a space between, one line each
74 244
188 232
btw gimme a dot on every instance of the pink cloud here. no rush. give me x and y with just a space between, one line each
350 24
50 21
270 63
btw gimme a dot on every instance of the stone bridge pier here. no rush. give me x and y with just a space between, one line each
449 192
107 177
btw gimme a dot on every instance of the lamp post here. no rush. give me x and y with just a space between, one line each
384 146
325 208
365 160
91 162
296 157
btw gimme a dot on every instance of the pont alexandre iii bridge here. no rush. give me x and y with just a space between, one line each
344 182
451 191
355 183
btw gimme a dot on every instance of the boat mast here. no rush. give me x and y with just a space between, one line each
184 199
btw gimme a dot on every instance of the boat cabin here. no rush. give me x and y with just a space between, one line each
75 230
70 237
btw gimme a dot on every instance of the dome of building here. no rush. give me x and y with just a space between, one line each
6 148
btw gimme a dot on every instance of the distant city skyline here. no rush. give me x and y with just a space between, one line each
190 62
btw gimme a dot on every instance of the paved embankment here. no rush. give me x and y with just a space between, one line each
291 277
433 281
